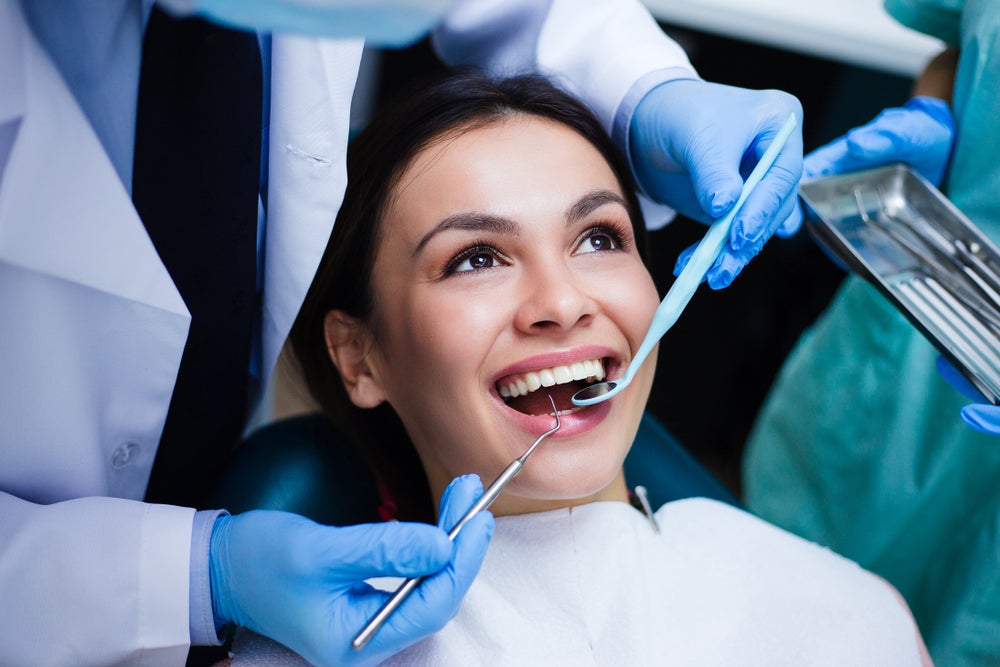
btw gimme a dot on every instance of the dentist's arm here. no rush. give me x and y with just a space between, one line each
302 584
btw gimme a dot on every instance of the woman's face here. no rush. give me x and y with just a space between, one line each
507 258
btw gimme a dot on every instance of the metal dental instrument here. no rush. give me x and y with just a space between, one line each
640 493
979 302
489 495
687 282
955 253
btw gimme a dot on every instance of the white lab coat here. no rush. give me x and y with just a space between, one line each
92 328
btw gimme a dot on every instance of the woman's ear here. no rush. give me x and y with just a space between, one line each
348 343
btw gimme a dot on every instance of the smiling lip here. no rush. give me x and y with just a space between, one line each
574 422
567 358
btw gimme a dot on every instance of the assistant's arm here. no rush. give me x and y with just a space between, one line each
920 133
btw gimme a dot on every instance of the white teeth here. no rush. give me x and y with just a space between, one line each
548 377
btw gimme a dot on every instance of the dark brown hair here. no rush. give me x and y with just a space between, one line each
456 102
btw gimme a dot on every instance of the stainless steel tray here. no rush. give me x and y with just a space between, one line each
896 230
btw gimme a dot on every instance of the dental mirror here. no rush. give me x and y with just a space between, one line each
687 282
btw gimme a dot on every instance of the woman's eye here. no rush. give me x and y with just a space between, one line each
599 240
474 259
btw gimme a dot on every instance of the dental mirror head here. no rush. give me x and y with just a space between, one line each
595 393
687 282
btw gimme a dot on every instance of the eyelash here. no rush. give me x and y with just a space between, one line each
477 248
615 231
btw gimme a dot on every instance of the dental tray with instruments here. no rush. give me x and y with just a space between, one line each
897 231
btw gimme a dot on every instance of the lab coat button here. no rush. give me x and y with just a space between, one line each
123 455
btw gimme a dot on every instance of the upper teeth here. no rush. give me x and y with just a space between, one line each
582 370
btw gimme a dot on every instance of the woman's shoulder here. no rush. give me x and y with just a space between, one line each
771 583
733 540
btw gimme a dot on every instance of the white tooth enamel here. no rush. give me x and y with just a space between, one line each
562 374
548 377
533 381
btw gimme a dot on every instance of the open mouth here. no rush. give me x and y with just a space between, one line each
529 393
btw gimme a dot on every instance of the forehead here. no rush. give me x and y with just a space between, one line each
514 161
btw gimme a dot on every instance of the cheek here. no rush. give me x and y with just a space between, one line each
632 299
439 337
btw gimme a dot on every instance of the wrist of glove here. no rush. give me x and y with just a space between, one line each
302 584
981 415
692 145
920 134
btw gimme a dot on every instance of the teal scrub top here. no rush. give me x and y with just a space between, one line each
859 445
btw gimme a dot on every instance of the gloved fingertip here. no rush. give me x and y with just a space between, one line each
983 418
958 381
724 271
682 260
792 224
869 143
458 497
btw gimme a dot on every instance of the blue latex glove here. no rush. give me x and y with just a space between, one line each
920 134
692 144
981 416
302 584
386 23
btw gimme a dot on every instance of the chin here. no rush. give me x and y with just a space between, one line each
570 481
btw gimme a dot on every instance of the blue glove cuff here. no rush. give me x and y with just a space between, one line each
218 550
935 108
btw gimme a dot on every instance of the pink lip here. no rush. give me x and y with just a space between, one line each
564 358
579 422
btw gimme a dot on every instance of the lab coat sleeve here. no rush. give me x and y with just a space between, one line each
606 52
93 581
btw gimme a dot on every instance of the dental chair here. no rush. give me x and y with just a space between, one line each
307 466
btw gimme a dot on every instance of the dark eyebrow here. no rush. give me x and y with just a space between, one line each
483 222
592 201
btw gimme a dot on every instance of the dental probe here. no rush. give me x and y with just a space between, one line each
489 495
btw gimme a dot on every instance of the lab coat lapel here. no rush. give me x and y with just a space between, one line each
311 87
63 210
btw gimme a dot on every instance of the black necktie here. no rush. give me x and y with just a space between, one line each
195 186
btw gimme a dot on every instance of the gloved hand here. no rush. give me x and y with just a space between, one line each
386 23
692 144
980 416
301 584
920 134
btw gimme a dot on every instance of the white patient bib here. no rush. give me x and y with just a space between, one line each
596 585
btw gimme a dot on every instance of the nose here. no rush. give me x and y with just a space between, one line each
555 299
